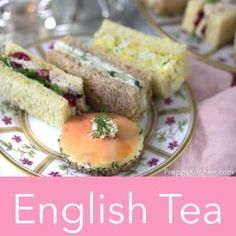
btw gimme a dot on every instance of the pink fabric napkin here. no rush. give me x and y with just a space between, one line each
212 151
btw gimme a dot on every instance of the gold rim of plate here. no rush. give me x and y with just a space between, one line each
193 112
143 9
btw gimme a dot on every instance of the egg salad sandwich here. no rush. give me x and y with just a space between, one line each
165 60
38 87
101 144
110 85
164 7
211 20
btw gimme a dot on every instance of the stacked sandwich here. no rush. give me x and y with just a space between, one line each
213 21
165 60
40 88
110 84
116 76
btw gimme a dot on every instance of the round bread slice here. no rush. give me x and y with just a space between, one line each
102 157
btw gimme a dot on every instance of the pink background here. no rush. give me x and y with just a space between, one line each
145 190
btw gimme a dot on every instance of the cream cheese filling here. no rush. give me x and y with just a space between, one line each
89 59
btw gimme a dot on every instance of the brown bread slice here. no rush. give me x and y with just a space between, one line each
103 92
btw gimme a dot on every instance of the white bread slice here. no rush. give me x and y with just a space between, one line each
74 83
191 12
32 97
221 27
168 74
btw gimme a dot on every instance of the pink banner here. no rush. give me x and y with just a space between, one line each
117 206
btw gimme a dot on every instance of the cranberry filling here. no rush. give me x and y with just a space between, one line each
71 99
200 16
43 73
21 56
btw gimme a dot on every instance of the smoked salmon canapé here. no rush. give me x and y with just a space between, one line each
101 144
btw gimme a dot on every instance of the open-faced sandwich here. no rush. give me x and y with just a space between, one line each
38 87
110 84
165 60
101 144
166 7
211 20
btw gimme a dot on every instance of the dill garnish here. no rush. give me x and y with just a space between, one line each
103 126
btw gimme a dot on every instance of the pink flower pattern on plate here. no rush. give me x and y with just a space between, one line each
7 120
17 138
173 145
54 174
170 120
152 162
168 101
26 161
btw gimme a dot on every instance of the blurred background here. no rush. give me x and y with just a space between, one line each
26 21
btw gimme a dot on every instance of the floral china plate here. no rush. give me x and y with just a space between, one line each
32 146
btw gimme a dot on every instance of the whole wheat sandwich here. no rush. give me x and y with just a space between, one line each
167 7
165 60
214 21
110 84
38 87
